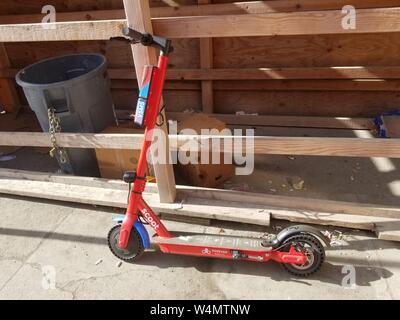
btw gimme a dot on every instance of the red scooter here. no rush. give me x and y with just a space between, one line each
299 248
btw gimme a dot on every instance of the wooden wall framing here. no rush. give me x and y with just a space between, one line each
353 58
274 58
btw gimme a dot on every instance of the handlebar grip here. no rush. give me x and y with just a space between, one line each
133 34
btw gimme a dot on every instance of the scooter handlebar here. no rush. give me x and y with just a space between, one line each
146 39
133 34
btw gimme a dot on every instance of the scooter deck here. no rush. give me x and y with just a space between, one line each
217 246
225 247
210 240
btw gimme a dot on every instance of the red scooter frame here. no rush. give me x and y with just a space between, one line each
288 247
137 205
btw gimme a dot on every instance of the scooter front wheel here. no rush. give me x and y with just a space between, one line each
134 249
312 249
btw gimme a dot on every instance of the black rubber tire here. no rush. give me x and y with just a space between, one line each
133 251
318 252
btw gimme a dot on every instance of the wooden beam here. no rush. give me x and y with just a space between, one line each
252 7
195 208
300 204
206 62
309 85
287 121
276 121
388 230
344 214
284 85
273 24
192 207
138 17
63 31
92 15
271 201
8 94
268 24
344 147
259 7
325 73
356 72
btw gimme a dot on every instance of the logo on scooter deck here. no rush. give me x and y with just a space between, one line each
150 219
214 251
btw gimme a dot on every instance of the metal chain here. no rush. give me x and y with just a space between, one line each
55 127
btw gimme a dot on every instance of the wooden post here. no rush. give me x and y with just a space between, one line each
206 62
138 17
8 94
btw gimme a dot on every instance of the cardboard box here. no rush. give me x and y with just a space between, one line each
114 162
204 175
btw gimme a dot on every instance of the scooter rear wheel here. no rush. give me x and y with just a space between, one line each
312 248
134 249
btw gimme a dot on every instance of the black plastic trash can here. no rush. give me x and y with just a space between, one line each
78 89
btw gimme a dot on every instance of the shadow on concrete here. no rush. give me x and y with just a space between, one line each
329 273
53 236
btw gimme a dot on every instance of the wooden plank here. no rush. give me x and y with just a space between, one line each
191 220
92 15
273 24
70 180
388 230
294 203
369 49
343 214
327 219
289 85
342 76
9 100
63 31
29 6
269 24
138 17
74 140
191 207
272 201
246 7
351 72
127 85
258 7
344 147
293 85
325 73
196 208
309 85
206 62
287 121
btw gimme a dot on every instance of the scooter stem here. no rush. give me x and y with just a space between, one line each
154 100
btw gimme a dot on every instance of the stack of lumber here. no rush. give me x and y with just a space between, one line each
200 205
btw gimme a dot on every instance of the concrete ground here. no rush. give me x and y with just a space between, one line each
51 250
